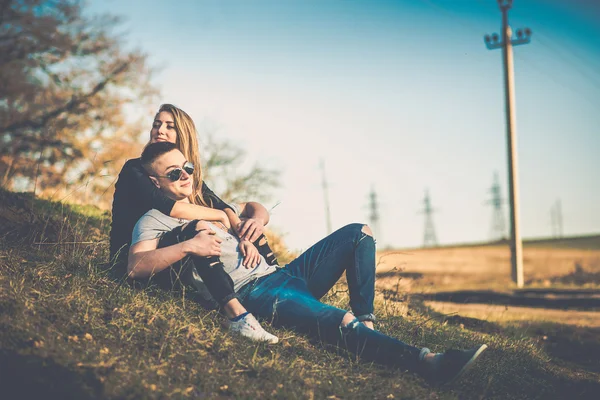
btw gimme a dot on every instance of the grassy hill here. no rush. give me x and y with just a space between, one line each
69 331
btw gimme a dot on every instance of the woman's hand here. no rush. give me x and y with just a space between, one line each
250 253
204 244
224 220
250 229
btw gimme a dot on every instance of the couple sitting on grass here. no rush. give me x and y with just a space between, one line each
173 230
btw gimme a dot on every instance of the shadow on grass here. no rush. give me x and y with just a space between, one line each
28 376
402 274
559 300
573 344
568 370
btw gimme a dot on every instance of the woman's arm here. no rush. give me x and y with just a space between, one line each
213 199
255 211
214 213
192 211
145 259
254 217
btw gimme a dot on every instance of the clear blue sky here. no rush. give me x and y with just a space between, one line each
396 95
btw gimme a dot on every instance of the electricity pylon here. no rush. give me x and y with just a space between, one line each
429 236
498 230
374 214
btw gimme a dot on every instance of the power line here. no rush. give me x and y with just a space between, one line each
545 72
467 24
551 43
594 79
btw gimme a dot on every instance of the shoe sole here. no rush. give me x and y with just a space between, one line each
468 364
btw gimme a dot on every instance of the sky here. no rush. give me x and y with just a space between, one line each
398 97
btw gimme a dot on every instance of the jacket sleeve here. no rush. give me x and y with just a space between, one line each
214 199
143 189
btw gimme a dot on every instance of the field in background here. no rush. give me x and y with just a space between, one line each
471 287
488 266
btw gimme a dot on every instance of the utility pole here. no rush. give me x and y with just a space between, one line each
326 197
506 43
374 215
557 220
429 236
498 230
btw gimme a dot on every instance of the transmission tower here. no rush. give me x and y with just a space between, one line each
498 230
374 214
506 43
429 237
326 197
556 219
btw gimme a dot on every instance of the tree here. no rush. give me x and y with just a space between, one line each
69 93
221 161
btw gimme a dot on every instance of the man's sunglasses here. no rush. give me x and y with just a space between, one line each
175 174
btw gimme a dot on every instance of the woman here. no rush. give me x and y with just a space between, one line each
135 194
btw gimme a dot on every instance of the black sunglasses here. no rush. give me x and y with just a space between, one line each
175 174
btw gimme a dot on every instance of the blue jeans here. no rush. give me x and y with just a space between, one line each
289 297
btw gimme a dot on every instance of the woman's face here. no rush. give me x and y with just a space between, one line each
163 128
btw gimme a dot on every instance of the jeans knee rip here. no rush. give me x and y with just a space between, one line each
351 326
363 236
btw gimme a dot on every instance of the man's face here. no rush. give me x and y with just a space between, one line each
178 190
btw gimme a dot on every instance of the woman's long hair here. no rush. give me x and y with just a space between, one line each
187 143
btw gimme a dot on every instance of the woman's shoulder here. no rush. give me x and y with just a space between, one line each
133 163
132 166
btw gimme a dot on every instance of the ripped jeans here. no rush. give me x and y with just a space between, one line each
289 297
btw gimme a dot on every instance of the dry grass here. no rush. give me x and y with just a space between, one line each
484 267
67 331
504 314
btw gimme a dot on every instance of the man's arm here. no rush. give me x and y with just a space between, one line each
254 217
145 259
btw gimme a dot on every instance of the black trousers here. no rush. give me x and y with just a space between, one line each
215 284
188 271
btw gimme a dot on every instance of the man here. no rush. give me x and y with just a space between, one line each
174 255
289 296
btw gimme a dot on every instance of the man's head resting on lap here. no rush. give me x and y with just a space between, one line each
162 159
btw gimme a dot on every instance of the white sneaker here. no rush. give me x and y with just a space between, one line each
250 328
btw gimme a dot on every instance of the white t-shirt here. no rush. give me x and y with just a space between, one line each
154 224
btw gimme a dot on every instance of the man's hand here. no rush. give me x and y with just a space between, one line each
250 253
250 229
204 244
